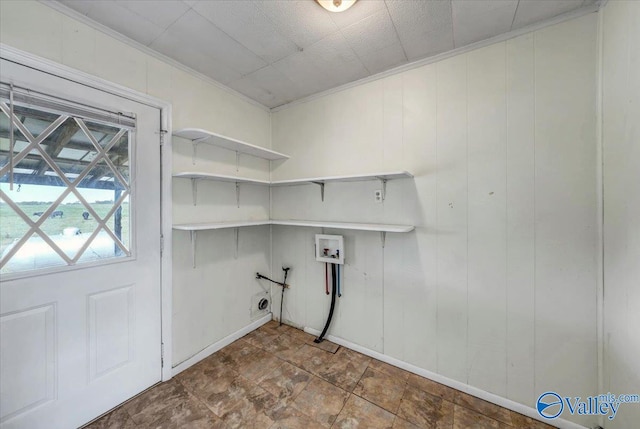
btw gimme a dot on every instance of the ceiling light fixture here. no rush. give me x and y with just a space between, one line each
336 5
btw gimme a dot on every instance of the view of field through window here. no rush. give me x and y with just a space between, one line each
64 189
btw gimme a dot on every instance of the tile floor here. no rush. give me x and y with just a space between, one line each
276 377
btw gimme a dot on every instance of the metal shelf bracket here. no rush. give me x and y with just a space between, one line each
237 236
194 146
194 190
383 237
194 235
383 183
321 184
238 194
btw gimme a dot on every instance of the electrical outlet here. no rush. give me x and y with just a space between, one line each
378 195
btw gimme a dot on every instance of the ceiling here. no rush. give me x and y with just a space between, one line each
278 51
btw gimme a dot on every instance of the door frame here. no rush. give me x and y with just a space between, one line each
47 66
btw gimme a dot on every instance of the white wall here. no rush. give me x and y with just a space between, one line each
213 300
621 143
496 288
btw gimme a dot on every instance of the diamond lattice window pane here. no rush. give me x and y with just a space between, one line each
35 253
70 202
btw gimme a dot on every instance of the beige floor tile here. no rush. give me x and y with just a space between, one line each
148 407
358 413
400 423
464 418
320 400
343 372
290 418
286 382
204 380
430 386
391 370
325 345
117 419
381 389
190 413
483 407
257 366
275 378
425 410
523 422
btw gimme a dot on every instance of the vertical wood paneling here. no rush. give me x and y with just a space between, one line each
565 209
520 219
451 227
410 260
621 151
487 294
362 290
393 144
492 289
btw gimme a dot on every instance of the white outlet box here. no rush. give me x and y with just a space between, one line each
378 195
330 248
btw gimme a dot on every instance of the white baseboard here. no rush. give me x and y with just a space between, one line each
474 391
219 345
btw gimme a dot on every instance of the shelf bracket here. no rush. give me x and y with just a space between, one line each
194 146
321 184
194 190
194 235
237 233
237 161
383 237
383 183
238 194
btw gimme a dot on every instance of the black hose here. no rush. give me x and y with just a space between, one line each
333 304
284 282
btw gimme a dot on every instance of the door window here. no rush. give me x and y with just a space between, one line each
65 183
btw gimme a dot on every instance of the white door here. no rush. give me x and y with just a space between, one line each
80 327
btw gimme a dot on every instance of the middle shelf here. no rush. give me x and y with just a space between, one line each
382 228
383 177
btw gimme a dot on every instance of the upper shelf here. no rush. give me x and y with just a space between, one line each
379 227
197 135
349 178
219 225
219 177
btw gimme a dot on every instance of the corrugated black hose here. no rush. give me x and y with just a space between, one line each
333 304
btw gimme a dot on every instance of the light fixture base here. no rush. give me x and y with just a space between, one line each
336 5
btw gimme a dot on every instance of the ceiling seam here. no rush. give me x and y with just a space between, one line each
239 43
65 10
395 29
515 12
576 13
170 25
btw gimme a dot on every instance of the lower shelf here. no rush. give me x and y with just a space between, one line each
382 228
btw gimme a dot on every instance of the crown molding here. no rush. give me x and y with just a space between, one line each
439 57
54 4
65 10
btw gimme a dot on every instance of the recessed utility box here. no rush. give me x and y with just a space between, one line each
260 305
330 248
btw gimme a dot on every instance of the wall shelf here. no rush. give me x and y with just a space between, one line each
382 228
198 136
321 181
195 177
220 178
193 229
377 227
219 225
348 178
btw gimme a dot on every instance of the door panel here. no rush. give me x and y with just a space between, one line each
78 340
